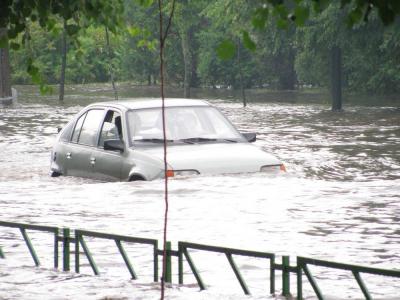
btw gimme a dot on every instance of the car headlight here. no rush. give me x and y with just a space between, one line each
173 173
273 168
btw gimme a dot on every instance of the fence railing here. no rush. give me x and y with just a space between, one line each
183 248
23 229
118 239
183 253
302 266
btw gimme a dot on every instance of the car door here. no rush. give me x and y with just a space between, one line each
83 141
107 164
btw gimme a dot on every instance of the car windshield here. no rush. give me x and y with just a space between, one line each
188 124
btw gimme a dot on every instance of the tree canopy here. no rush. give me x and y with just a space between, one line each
265 43
15 15
16 18
357 11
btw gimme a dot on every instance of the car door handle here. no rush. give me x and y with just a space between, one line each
93 161
68 155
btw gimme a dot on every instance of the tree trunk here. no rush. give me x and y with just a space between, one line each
286 71
194 79
239 63
110 65
5 72
291 78
336 78
187 60
63 61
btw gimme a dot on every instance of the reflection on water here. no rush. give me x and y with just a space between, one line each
339 201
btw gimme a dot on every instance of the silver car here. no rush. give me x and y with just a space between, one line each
124 141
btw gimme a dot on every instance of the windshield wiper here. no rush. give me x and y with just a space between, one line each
194 140
228 140
154 140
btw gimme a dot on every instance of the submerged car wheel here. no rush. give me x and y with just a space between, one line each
136 178
55 174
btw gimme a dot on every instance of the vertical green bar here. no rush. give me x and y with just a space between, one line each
180 263
56 249
285 276
155 260
66 249
77 262
168 263
299 280
272 276
2 253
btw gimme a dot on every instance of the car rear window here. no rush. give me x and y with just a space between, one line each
66 134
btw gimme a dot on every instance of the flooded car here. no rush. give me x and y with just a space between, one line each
124 140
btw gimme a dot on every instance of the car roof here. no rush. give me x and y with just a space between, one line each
140 103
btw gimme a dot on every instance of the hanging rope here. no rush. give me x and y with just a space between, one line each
163 37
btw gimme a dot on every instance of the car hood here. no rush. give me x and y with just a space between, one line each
215 158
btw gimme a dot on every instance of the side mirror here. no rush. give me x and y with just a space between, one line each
251 137
114 145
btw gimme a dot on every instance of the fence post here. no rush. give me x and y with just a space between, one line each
168 263
285 276
180 263
155 261
66 249
77 257
56 232
299 279
272 276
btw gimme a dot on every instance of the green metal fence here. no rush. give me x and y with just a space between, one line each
183 248
118 239
183 253
23 229
302 266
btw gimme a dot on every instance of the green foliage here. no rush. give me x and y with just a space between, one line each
358 11
368 62
245 34
248 42
17 15
226 49
301 14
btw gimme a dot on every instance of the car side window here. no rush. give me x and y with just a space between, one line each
90 127
111 128
77 129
